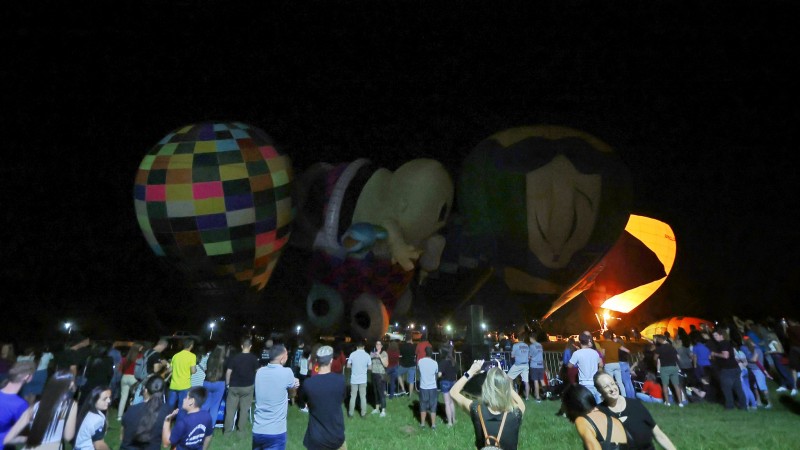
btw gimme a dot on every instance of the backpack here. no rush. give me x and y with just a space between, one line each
140 370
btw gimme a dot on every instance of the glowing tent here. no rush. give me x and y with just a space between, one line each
672 324
214 200
631 271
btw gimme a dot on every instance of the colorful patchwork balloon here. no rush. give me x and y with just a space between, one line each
214 199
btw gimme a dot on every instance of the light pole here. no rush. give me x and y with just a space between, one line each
425 330
211 325
298 329
68 327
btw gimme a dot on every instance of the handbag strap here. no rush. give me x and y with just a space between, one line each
483 426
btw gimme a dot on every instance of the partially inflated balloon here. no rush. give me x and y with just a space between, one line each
543 204
214 199
671 325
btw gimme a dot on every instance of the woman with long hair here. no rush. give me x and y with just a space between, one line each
128 380
99 370
141 424
92 423
497 414
379 361
597 430
215 381
52 419
447 369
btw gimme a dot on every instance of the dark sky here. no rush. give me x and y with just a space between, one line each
698 99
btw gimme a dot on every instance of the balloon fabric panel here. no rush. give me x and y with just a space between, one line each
214 199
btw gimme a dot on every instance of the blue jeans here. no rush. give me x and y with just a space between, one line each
625 372
391 372
784 373
647 398
175 400
215 389
597 397
269 441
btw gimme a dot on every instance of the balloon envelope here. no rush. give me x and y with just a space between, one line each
631 271
672 324
213 199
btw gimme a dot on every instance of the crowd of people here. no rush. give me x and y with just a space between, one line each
163 399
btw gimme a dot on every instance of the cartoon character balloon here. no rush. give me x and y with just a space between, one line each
542 204
366 228
214 200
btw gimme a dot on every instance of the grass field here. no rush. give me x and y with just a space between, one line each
697 426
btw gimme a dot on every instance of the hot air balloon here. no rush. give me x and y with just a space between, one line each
214 200
542 204
671 324
365 228
632 270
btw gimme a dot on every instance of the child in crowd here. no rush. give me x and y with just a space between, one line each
651 390
193 430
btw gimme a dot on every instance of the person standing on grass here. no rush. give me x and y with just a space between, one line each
588 362
520 355
536 370
448 375
274 384
499 407
428 393
325 393
379 361
667 367
184 365
408 366
358 362
393 351
724 358
240 381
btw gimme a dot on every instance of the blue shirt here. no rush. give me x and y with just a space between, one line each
702 352
272 399
537 355
12 406
190 430
520 354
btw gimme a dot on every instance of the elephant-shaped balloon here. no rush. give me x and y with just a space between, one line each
368 229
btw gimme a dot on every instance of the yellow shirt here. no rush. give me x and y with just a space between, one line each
182 364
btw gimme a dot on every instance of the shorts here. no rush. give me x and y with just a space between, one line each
669 374
445 386
269 441
411 371
517 370
537 373
428 400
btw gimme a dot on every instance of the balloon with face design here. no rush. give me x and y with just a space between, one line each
543 204
366 228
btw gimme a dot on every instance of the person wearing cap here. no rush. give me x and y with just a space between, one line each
274 384
325 392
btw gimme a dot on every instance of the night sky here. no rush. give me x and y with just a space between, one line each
698 99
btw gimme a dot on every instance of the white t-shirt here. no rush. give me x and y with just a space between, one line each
428 369
587 360
93 428
359 362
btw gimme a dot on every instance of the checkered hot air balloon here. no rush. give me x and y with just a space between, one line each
214 200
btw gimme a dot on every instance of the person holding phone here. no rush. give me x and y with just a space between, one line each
379 360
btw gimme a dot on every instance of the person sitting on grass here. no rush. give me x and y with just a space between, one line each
193 430
651 390
597 429
636 419
497 415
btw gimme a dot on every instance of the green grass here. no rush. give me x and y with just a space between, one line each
697 426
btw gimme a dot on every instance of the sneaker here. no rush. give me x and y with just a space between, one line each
769 406
422 425
433 427
383 413
376 411
793 393
305 410
781 389
680 404
667 404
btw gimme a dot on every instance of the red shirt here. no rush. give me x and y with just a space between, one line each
653 389
421 349
337 364
127 368
394 358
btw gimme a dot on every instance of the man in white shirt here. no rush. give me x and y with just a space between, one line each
358 362
428 392
588 362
